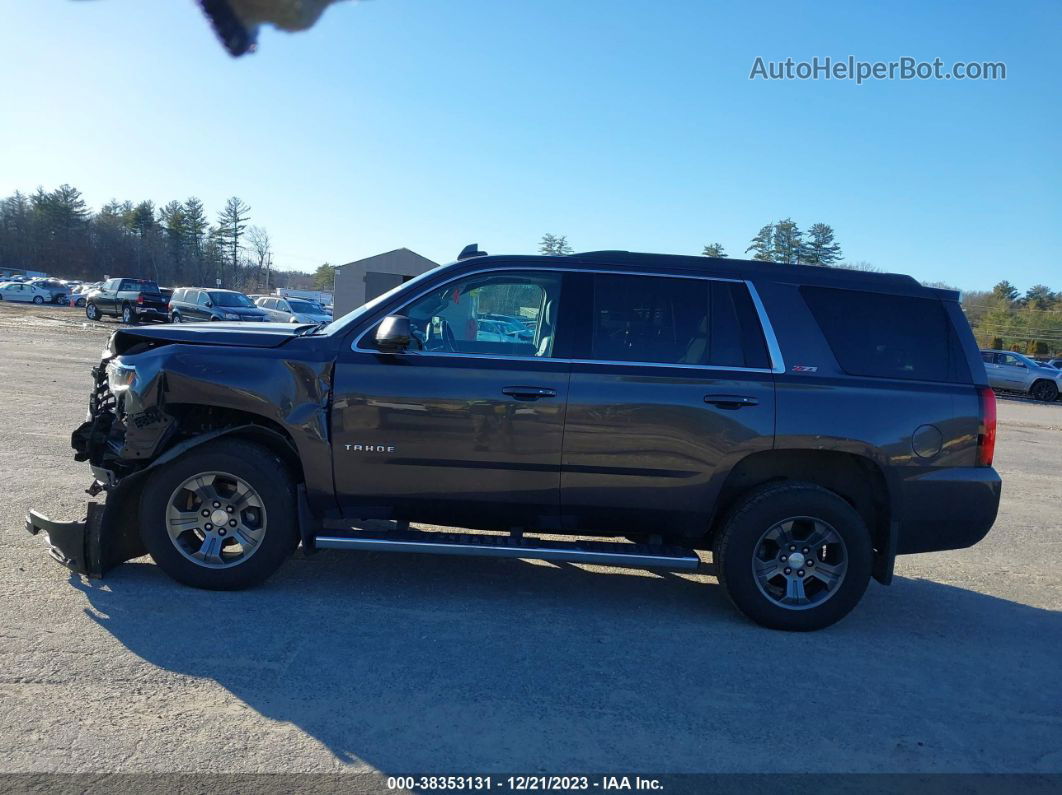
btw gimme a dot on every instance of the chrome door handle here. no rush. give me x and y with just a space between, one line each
731 401
529 392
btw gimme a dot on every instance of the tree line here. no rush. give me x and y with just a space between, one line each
1003 318
173 244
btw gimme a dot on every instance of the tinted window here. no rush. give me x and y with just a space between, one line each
987 357
230 299
668 320
888 336
457 318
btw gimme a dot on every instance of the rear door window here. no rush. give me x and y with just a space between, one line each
888 336
665 320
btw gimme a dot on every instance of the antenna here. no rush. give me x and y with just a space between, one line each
469 251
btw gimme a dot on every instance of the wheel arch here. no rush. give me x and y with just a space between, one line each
210 424
859 480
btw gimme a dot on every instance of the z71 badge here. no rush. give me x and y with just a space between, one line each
803 368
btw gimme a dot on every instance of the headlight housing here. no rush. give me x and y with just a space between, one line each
120 376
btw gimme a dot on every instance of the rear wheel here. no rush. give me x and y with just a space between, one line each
128 316
222 516
793 556
1046 391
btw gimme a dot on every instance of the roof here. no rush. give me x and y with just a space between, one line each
726 267
392 252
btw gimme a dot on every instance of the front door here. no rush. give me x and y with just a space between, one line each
1013 372
672 384
461 429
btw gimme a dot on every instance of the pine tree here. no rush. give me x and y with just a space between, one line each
1005 290
714 250
554 245
821 248
1039 296
232 221
763 244
195 225
787 242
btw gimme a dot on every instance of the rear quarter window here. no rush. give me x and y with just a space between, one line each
888 336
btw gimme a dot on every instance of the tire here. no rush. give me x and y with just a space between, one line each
38 300
92 312
1047 391
752 536
128 316
176 317
217 464
80 302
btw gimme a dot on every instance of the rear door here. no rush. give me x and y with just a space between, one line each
673 382
992 370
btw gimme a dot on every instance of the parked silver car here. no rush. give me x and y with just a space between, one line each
1017 373
293 310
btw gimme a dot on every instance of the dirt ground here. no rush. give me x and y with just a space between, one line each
358 661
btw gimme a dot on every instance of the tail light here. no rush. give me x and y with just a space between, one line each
986 435
140 298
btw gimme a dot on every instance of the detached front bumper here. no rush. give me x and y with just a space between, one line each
107 536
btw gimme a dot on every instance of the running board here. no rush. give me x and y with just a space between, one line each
605 553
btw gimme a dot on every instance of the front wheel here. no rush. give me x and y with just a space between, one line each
176 318
38 300
793 556
222 516
1046 391
80 302
92 312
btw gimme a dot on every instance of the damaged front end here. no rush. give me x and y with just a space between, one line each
108 534
158 392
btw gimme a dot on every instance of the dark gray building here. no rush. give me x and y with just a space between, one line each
364 279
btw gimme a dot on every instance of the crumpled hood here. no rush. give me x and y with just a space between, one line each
253 335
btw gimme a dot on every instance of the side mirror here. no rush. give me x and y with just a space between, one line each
393 333
210 304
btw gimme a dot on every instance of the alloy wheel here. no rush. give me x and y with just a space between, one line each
800 562
216 520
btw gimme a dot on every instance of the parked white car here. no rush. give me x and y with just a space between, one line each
17 291
292 310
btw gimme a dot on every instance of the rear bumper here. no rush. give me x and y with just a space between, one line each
950 508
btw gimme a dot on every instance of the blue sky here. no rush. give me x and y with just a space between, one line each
432 124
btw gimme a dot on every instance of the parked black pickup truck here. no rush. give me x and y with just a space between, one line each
804 424
130 299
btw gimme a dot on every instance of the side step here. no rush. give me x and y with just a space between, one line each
605 553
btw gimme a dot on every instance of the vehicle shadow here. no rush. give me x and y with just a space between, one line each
415 663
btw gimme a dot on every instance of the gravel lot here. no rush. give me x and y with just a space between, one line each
355 661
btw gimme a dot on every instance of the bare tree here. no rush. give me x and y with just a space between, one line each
258 240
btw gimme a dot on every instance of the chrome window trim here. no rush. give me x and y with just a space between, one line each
774 352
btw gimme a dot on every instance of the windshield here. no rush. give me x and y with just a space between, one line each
306 307
341 323
230 299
